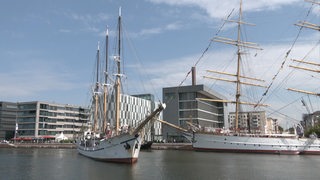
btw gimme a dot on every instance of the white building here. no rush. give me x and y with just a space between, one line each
133 110
43 120
271 126
249 122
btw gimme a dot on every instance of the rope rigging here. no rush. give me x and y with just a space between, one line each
284 61
207 48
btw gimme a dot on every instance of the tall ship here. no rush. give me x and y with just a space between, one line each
111 136
235 140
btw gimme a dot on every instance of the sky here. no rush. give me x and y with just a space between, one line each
48 48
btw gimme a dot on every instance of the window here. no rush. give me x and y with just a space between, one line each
187 96
169 96
187 105
187 114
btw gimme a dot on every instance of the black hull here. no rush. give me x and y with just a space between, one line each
146 145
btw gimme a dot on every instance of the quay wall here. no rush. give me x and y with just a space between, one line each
40 145
155 146
174 146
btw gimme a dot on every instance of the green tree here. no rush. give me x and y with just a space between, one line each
291 130
280 129
313 130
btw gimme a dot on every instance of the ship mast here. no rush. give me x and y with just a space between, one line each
105 95
118 76
96 94
238 75
238 68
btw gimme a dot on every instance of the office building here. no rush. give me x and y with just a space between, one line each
153 132
133 110
183 107
43 120
249 122
8 116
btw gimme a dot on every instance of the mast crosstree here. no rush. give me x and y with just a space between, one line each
238 75
305 24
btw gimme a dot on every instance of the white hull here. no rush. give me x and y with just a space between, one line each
123 148
249 144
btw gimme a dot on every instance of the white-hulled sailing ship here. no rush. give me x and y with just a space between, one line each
228 141
112 140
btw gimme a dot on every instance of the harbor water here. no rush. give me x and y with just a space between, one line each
65 164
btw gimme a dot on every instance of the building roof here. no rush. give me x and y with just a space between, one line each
198 88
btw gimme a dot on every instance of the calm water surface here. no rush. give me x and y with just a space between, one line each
65 164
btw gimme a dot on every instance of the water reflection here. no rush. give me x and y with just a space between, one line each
159 164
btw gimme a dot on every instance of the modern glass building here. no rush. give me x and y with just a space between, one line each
133 110
183 106
43 120
154 128
46 120
8 116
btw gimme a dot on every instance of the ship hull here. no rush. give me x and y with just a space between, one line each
249 144
124 148
146 145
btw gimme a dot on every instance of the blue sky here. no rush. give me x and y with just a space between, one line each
48 47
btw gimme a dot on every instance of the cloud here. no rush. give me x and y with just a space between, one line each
89 21
36 77
263 65
30 82
158 30
316 10
88 18
218 9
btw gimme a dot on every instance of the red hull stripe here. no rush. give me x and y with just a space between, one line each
311 152
248 151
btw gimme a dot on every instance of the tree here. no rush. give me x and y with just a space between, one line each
280 129
313 130
291 130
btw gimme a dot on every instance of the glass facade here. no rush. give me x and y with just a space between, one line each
133 110
8 116
37 119
183 106
206 114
